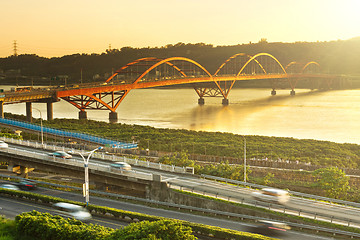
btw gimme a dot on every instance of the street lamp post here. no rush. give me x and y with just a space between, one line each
41 126
86 166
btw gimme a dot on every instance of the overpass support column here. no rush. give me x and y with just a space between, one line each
49 108
28 112
10 166
1 109
24 172
225 101
82 115
113 116
201 101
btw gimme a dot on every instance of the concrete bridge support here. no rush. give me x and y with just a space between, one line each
82 115
113 116
28 112
50 110
1 109
225 101
201 101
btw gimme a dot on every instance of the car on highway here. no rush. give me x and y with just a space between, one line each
60 154
3 144
27 185
9 186
70 210
269 228
272 195
121 166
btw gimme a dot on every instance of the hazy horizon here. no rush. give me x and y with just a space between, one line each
59 28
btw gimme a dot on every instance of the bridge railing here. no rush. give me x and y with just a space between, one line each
67 134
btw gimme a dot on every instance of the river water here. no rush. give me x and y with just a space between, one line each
331 115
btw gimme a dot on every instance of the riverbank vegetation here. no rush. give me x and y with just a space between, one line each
312 152
177 146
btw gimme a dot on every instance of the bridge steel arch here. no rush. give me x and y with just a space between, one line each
254 59
88 100
229 59
167 61
309 64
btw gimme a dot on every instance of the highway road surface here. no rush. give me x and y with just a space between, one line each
10 208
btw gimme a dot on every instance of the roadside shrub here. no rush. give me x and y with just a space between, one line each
162 229
49 227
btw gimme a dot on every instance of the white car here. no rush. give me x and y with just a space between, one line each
272 195
60 154
3 144
121 166
9 186
72 211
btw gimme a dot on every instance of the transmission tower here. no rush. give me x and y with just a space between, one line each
15 48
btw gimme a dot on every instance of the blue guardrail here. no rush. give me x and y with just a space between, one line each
86 137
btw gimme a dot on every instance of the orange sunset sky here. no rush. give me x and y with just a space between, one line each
63 27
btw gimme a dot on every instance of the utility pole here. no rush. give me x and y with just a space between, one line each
15 49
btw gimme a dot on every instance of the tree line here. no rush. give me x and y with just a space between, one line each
336 57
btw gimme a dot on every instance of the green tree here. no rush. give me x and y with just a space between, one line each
268 178
179 159
333 180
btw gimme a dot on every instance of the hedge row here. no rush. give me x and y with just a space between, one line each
198 229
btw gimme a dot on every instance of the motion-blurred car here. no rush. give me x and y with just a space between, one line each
9 186
3 144
272 195
60 154
269 228
121 166
27 185
72 211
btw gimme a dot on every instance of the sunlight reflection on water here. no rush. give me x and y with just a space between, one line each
332 115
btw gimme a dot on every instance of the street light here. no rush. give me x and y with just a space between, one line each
86 166
244 158
42 133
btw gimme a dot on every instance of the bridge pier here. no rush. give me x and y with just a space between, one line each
1 109
201 101
292 92
28 112
82 115
273 92
113 116
225 101
49 108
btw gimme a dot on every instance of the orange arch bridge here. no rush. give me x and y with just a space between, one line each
153 72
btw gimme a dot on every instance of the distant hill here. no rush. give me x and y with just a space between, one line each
340 57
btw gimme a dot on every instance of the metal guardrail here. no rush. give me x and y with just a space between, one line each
303 195
203 210
270 206
102 156
62 133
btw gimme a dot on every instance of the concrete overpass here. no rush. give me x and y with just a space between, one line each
101 176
